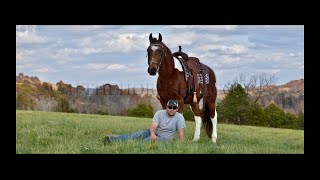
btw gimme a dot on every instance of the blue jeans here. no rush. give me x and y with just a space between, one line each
142 134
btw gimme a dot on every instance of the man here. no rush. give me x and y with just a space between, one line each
165 124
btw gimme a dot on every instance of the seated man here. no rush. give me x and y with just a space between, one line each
165 124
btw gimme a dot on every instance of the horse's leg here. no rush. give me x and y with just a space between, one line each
181 104
214 123
211 103
163 103
196 112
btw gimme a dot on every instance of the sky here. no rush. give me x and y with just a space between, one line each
93 55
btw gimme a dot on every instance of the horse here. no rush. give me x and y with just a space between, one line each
172 84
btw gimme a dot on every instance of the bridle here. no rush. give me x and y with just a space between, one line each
162 54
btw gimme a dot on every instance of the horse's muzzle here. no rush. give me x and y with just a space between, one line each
152 71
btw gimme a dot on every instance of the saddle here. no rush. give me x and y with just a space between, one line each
195 72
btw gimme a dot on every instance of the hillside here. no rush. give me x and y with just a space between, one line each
289 96
294 86
32 80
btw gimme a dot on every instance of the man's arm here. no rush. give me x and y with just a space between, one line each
153 127
181 134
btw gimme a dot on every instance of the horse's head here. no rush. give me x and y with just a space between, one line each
156 53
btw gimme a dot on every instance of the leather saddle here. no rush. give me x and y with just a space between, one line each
195 72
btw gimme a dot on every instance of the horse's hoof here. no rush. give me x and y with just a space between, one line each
214 140
195 139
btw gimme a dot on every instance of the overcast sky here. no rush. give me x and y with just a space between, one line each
95 55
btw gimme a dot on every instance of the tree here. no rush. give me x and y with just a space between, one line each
153 101
141 110
22 101
25 101
63 104
301 121
128 101
80 91
290 121
275 115
255 115
233 107
46 103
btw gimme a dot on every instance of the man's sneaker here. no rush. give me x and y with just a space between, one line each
106 140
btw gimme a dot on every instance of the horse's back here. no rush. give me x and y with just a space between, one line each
196 66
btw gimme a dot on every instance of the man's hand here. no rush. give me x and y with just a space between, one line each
153 127
153 137
181 134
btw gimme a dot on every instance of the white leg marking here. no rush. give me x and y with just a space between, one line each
191 109
197 130
214 127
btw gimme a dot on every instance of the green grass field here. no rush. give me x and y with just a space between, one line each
39 132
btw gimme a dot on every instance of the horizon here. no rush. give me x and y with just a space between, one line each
96 55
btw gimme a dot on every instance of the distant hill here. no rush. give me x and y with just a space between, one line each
32 80
294 86
289 96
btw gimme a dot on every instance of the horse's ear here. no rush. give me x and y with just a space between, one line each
160 38
150 38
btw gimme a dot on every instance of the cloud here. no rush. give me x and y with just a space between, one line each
23 54
230 60
112 42
190 38
237 49
204 27
88 50
28 35
67 52
106 67
24 66
127 42
83 28
41 70
117 53
117 66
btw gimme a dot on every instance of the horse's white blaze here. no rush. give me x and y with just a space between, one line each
154 48
197 130
214 127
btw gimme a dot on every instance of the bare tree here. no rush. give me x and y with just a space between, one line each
255 85
126 102
46 103
260 84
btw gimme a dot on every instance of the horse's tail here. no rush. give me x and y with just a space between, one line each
207 120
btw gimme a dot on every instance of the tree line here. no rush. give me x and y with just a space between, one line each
70 99
246 103
237 108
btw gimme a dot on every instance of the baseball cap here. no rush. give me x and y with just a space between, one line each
172 102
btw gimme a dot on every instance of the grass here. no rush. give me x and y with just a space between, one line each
39 132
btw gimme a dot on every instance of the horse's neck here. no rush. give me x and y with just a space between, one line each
167 67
